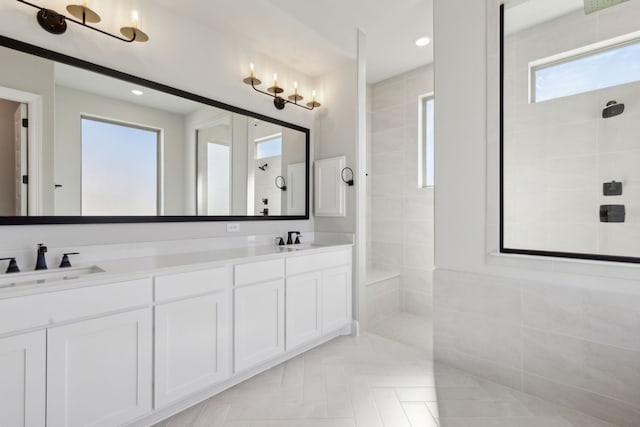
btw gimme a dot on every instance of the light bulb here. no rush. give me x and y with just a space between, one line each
275 80
295 88
251 67
135 18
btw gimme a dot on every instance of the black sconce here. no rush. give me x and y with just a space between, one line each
281 183
349 182
275 91
56 23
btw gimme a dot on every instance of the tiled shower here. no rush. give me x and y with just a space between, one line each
399 212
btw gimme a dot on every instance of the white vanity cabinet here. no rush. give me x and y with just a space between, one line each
99 370
88 362
192 332
23 361
258 313
303 324
318 295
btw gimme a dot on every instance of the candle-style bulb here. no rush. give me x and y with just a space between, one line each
135 19
251 67
275 80
313 95
295 88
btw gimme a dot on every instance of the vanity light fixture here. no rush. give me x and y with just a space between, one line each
56 23
274 91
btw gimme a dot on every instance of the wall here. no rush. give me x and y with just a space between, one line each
401 213
72 104
563 330
173 56
559 152
336 127
7 156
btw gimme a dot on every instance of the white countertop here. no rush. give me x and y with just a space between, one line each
115 270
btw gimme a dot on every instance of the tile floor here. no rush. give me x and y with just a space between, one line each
371 381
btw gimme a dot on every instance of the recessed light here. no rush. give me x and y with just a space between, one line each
137 92
423 41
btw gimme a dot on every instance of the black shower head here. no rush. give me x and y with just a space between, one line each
263 167
612 109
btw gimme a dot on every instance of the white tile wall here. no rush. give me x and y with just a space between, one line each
574 345
401 214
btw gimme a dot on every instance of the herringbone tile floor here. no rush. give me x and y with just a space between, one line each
371 381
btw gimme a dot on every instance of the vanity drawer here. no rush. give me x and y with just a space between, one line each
262 271
181 285
45 309
314 262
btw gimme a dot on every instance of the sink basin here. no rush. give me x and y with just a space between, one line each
299 247
46 276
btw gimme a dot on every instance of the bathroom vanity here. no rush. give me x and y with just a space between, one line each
130 342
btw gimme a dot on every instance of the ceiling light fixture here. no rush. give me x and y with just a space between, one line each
275 91
56 23
137 92
423 41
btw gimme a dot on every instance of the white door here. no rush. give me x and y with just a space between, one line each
336 298
99 372
303 319
191 341
330 196
296 189
23 361
259 323
21 165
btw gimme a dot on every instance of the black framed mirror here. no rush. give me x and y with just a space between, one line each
83 143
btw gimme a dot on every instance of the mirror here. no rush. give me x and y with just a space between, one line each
82 143
570 182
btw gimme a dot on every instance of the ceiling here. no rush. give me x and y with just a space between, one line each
314 37
522 14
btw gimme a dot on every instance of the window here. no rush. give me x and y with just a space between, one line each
119 169
580 72
426 141
269 146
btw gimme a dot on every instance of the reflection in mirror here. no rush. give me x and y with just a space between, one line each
96 145
571 80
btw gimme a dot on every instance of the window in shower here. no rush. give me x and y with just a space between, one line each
605 64
426 141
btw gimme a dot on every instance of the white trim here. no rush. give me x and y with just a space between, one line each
34 132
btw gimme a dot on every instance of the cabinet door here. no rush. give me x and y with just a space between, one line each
99 371
259 323
23 361
336 298
303 319
192 340
330 195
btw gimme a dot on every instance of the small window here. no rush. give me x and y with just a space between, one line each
581 72
119 169
426 141
269 146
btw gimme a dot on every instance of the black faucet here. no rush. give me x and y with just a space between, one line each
289 238
13 265
65 263
41 263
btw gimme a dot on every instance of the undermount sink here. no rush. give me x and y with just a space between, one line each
46 276
299 247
